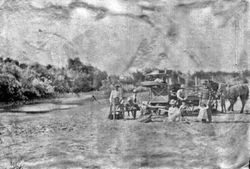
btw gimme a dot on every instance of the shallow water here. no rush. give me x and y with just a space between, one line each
49 105
42 107
83 137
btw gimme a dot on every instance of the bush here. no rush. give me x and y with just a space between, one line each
19 81
10 88
43 87
61 86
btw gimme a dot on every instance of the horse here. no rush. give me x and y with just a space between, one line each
214 86
233 92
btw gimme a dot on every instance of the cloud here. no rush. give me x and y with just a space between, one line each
117 27
112 5
82 13
44 3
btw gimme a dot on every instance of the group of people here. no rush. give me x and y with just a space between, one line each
117 102
177 113
178 107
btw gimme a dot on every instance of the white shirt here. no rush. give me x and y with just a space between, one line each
173 110
114 94
180 94
173 113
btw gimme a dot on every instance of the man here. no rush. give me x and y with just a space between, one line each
223 102
115 97
134 97
115 93
181 95
207 99
132 105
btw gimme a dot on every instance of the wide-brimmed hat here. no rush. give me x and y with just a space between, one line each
182 86
129 99
117 85
134 91
172 102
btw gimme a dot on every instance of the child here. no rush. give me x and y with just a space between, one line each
203 113
183 110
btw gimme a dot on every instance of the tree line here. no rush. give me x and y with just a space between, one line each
21 81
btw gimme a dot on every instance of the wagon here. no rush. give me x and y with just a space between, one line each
160 95
158 98
193 100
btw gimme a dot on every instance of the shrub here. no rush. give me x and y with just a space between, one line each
43 87
10 88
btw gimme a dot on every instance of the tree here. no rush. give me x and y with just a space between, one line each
12 69
49 66
40 70
8 60
138 76
23 66
75 64
98 77
81 83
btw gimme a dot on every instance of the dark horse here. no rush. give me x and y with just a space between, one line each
231 92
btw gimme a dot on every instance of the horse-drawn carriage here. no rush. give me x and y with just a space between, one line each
160 95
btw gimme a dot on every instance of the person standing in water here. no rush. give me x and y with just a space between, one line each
115 96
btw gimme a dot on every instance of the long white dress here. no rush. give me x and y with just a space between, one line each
202 114
174 114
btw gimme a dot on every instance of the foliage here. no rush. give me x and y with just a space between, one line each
21 81
138 76
9 86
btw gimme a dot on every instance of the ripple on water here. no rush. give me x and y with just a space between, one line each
43 107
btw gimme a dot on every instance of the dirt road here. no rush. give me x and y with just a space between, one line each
83 137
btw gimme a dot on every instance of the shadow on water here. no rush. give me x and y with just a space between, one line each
230 113
237 121
37 108
45 106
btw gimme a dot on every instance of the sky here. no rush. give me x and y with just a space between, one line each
120 36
